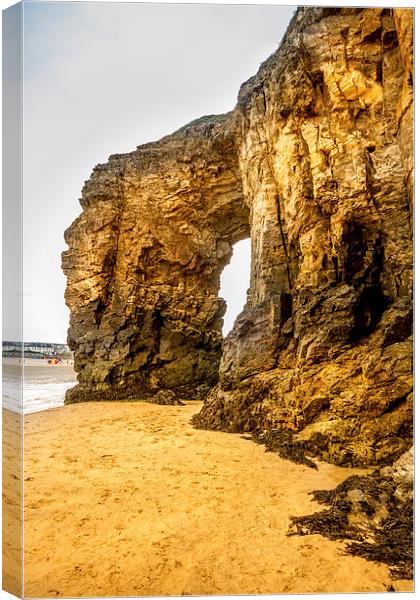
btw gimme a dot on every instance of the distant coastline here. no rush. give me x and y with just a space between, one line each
36 350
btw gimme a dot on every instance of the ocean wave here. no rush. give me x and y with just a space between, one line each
35 397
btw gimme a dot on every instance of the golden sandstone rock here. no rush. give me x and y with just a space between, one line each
315 164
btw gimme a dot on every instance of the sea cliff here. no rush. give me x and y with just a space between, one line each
315 165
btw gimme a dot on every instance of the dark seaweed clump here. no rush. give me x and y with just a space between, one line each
285 444
282 442
393 543
366 511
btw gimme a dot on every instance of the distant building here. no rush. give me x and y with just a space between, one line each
35 349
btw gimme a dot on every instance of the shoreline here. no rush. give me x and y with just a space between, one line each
35 362
42 386
130 499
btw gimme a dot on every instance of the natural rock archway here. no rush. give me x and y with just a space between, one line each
316 165
144 265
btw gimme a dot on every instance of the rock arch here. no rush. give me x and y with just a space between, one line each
316 165
144 265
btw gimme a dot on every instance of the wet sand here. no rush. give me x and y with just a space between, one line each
125 499
39 370
44 386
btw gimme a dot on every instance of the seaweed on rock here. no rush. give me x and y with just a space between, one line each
282 442
366 510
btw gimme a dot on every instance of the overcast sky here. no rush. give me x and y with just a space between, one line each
101 79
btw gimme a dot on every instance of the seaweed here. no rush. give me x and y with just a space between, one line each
356 506
282 443
332 524
392 543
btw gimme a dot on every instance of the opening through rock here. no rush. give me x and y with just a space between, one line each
235 281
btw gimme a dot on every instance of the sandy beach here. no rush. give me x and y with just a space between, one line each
125 499
12 502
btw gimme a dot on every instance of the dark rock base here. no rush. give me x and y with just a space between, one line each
127 393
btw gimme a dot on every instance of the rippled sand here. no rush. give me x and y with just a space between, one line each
128 499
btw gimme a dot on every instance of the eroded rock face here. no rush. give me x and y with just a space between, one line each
315 164
326 159
144 264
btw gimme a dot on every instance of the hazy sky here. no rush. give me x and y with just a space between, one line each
102 78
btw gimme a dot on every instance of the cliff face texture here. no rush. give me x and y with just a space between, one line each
144 265
315 164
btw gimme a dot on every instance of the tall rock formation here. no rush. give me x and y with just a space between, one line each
144 264
315 164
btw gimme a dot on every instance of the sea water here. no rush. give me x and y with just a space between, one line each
43 387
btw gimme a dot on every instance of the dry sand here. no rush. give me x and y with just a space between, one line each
12 503
125 499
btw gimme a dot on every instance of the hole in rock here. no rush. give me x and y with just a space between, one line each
235 281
